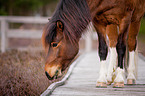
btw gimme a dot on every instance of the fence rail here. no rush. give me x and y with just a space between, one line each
7 32
23 19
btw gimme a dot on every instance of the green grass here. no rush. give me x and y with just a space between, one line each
141 35
142 27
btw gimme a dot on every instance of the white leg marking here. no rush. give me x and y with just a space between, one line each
112 64
103 72
131 68
119 75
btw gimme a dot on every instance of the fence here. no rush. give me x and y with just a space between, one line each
7 32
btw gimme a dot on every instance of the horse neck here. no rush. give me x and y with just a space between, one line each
93 4
75 16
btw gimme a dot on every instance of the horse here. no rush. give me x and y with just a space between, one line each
119 19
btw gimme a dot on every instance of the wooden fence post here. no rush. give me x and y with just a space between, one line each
4 27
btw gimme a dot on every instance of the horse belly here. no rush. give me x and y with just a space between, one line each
107 19
113 19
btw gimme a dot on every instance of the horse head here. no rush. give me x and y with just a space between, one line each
61 35
60 50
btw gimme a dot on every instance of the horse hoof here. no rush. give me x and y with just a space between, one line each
131 81
118 85
109 82
101 85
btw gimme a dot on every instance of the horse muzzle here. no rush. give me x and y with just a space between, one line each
53 72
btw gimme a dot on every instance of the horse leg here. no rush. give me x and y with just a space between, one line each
121 48
112 33
132 38
103 50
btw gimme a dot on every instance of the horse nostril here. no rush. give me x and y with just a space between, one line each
48 76
56 74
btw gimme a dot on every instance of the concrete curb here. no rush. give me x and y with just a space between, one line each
51 88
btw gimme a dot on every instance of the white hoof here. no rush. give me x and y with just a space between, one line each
119 75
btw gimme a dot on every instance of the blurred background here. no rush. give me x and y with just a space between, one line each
22 56
24 18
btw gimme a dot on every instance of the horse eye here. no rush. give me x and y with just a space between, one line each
54 44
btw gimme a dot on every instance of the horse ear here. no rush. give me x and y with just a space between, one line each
59 25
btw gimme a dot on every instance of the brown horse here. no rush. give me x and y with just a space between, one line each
62 33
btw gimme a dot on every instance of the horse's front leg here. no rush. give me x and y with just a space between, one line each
112 33
132 42
103 50
121 48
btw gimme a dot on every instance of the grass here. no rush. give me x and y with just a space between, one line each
141 35
22 73
142 27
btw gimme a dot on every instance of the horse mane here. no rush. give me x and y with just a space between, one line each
75 16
